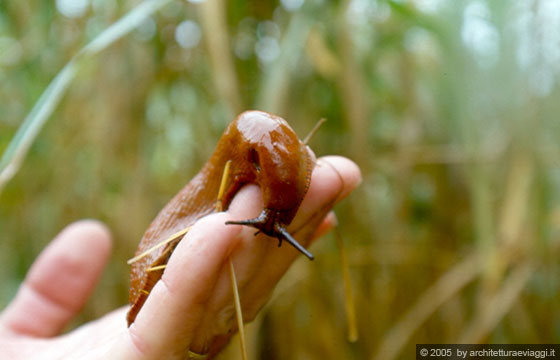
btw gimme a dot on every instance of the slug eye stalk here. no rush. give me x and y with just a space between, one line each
267 224
286 236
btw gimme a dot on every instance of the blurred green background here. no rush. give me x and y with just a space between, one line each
449 107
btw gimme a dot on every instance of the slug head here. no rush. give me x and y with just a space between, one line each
266 223
282 167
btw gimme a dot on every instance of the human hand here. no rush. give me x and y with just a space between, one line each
191 308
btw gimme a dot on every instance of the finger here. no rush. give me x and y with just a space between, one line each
247 259
349 171
328 223
190 318
333 178
60 281
165 324
258 261
329 183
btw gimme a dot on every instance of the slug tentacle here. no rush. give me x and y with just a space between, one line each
286 235
267 223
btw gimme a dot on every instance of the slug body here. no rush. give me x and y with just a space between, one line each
263 150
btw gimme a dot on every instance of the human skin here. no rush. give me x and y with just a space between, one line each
189 309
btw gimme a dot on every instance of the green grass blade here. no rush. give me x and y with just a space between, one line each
31 127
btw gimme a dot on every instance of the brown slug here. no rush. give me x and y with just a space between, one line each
263 150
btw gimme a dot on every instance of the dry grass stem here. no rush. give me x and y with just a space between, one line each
156 268
348 294
213 16
314 130
276 82
233 280
498 306
173 237
441 291
238 311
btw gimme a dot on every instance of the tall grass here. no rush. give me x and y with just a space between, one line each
23 139
449 109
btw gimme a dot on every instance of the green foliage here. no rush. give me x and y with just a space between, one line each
450 109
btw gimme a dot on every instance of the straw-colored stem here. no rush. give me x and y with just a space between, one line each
175 236
353 90
156 268
437 294
314 130
498 305
348 294
233 279
238 312
222 189
213 16
276 81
